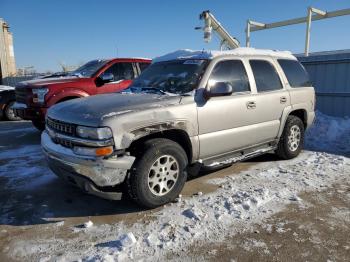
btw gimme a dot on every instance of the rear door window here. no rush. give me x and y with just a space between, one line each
231 72
266 77
295 73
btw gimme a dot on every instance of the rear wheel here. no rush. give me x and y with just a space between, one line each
292 139
39 125
158 174
10 113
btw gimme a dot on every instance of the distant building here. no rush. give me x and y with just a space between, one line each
7 56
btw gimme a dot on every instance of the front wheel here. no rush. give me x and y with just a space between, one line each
292 139
10 113
158 174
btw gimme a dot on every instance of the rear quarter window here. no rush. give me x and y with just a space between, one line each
295 73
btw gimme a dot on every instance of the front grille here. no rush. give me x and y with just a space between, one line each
61 127
22 94
63 142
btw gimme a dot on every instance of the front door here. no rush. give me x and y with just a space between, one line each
123 75
226 123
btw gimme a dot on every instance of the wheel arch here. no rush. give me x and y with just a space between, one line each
67 98
298 112
65 95
177 135
302 114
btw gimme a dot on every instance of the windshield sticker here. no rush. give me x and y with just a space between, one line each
193 62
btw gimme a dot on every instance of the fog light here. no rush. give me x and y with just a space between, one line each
88 151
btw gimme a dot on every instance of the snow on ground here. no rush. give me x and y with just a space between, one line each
329 134
241 201
21 169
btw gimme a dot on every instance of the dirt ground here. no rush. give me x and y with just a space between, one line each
318 231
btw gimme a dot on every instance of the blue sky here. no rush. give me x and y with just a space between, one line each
49 32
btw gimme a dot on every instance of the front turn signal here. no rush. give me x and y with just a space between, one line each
104 151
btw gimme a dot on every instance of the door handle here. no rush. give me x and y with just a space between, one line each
251 105
283 99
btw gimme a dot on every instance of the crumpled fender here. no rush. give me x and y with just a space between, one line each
128 137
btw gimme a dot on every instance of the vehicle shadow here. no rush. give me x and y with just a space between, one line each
56 200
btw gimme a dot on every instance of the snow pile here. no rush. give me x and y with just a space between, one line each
329 134
210 54
127 240
88 224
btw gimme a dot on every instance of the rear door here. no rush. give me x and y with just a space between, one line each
302 94
270 99
123 72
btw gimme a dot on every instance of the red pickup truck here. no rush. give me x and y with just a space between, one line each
34 97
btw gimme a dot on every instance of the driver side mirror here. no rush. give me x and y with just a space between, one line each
107 77
219 89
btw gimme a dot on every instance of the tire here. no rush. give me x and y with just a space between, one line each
160 158
39 125
9 113
292 139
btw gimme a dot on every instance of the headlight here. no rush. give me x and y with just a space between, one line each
94 133
39 94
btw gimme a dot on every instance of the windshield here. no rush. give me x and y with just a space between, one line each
88 69
178 76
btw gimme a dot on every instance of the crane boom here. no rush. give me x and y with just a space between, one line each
210 23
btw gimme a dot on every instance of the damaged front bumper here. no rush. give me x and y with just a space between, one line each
92 174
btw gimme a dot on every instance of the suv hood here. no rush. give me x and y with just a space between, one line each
94 110
49 81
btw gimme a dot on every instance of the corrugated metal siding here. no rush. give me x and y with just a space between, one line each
330 75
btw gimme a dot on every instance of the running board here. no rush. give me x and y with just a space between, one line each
237 157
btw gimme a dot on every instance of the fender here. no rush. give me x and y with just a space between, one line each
67 92
132 135
188 135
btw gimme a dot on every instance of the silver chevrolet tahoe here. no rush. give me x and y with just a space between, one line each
186 110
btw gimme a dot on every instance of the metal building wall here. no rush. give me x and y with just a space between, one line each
330 75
